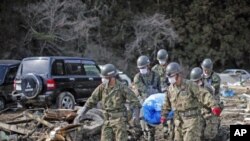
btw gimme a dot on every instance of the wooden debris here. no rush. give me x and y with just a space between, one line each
14 128
60 114
40 120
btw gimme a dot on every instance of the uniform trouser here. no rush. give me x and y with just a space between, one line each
188 128
114 130
212 124
148 131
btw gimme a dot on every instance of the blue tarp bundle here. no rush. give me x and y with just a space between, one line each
152 109
228 93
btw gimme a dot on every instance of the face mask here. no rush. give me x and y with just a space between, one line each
143 71
206 75
200 83
162 62
172 80
105 80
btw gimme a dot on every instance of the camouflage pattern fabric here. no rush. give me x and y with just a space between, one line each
113 100
145 85
143 82
161 70
115 130
212 122
214 80
186 101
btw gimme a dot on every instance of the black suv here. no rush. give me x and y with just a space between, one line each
60 81
8 70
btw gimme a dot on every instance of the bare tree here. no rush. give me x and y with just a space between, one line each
59 27
151 33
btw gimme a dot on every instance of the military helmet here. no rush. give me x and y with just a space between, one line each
207 64
173 69
108 70
196 74
162 54
142 61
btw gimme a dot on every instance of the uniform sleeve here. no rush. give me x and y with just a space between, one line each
203 96
166 108
95 97
158 82
154 68
216 83
131 98
139 85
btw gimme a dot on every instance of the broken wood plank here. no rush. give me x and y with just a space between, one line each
19 121
13 128
40 120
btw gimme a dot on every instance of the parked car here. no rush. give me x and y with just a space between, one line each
60 81
123 77
8 70
234 75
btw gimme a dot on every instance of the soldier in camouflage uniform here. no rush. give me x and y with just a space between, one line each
186 99
162 57
211 121
113 96
211 78
147 83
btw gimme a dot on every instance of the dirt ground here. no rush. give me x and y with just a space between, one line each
236 111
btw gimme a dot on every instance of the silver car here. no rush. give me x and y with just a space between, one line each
234 75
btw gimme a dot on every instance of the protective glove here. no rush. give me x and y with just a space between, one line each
163 120
80 113
216 111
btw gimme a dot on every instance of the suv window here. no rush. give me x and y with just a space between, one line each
74 67
2 73
58 67
91 70
11 75
35 66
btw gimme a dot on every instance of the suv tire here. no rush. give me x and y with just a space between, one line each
2 103
31 85
65 100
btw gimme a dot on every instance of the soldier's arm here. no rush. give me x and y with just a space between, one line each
139 85
95 97
166 108
154 68
158 82
216 83
203 96
131 97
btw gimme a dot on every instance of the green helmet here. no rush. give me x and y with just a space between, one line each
142 61
196 74
207 64
162 54
173 69
108 70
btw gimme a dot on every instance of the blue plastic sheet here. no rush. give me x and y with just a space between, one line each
228 93
152 107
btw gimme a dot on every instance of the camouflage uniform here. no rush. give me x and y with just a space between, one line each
186 101
212 122
214 81
161 70
146 85
115 116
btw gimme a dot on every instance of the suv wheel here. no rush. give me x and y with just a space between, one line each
65 100
2 103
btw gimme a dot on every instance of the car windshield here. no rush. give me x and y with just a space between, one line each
40 66
2 73
228 71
